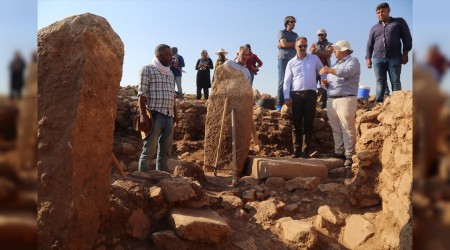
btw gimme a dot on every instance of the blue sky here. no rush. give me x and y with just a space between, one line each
18 22
195 25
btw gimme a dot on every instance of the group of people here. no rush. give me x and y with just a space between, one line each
299 72
298 76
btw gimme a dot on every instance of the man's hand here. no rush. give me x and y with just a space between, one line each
288 103
369 63
324 70
405 58
324 83
175 122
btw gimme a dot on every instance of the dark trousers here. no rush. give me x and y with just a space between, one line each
303 114
205 92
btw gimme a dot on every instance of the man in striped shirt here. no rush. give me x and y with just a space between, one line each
156 94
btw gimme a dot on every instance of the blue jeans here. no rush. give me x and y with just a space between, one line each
282 63
383 67
161 137
180 90
252 76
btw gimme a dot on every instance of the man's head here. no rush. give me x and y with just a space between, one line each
249 47
174 50
301 44
342 49
164 55
289 22
242 55
221 53
383 12
322 35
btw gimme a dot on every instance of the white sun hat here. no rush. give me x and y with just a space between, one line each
343 45
221 51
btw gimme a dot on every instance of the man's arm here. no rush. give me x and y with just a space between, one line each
175 116
285 44
406 40
369 48
143 117
287 85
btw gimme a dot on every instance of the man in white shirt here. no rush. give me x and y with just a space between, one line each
240 62
300 95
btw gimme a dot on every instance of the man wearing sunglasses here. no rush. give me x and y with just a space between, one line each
286 51
299 89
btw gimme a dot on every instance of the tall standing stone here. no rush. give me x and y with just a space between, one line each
230 83
80 68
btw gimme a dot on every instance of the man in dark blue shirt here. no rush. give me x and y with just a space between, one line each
176 66
386 39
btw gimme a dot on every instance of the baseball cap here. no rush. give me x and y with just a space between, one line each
321 31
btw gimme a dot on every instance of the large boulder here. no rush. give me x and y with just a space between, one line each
80 68
231 84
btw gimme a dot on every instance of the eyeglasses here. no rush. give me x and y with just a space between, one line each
290 21
303 46
321 34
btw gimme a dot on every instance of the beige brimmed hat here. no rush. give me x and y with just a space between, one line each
343 45
221 51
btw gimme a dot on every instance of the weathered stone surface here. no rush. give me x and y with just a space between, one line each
357 230
231 84
299 231
231 202
156 194
80 67
138 224
308 183
261 168
275 182
190 169
177 189
268 209
330 215
169 240
199 225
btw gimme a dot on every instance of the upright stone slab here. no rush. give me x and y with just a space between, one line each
80 67
230 83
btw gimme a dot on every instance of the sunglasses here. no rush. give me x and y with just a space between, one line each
303 46
290 21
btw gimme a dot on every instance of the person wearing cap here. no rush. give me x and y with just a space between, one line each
323 49
299 88
176 67
221 53
156 95
341 83
286 51
253 63
387 49
240 62
203 67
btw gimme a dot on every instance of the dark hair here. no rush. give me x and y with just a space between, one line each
161 48
248 46
382 6
287 18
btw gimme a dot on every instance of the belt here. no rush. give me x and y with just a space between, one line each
339 96
303 91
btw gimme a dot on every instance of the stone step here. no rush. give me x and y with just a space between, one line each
199 225
290 168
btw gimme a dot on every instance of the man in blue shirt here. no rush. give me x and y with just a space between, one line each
300 95
386 39
176 67
341 83
286 51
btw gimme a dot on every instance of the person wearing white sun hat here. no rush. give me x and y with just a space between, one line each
341 83
221 53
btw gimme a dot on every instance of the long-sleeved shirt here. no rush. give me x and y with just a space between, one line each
252 60
347 79
385 41
301 74
238 66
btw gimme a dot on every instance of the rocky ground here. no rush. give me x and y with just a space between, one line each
190 209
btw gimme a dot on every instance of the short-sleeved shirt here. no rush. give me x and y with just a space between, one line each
287 53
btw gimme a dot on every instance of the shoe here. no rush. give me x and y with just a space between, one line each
305 155
334 155
348 162
296 154
279 107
